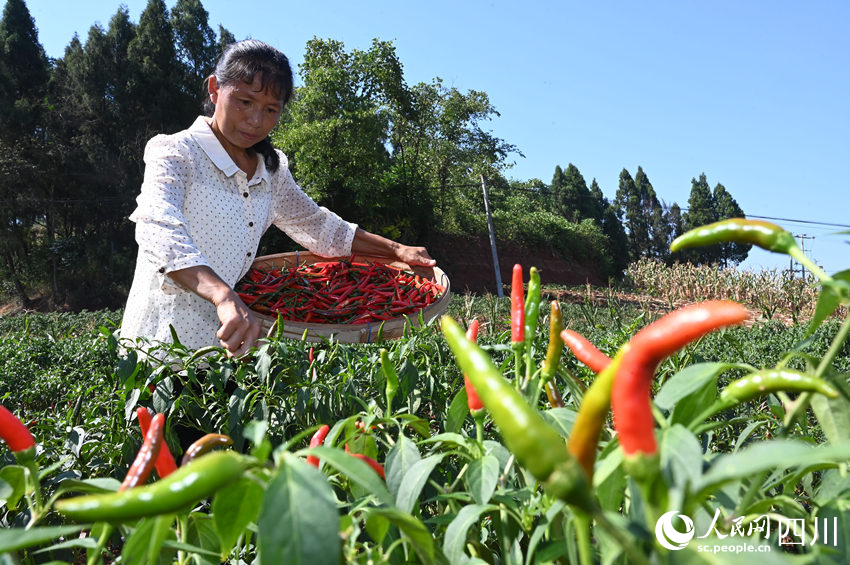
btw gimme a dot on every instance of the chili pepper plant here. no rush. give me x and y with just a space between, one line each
523 436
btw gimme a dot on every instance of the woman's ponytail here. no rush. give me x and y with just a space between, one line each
270 156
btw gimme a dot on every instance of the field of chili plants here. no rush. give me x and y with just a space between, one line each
516 430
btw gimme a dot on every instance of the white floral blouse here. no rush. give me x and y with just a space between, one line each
197 207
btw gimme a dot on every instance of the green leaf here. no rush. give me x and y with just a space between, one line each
768 456
400 458
299 520
694 404
163 396
482 476
562 419
87 486
681 456
458 410
833 414
455 439
201 533
414 531
13 539
687 381
541 528
131 402
144 545
413 482
356 470
834 530
377 527
454 542
234 507
828 301
13 484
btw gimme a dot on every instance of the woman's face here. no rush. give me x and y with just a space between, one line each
244 114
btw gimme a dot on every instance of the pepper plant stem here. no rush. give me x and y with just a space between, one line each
585 548
97 554
803 400
801 258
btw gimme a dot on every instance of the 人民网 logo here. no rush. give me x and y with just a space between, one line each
667 534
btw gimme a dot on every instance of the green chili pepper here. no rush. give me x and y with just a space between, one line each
738 230
200 479
391 376
535 444
774 380
592 414
532 307
556 346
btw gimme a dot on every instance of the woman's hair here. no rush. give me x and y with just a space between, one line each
241 62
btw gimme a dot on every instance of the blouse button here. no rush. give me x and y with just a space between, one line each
250 224
249 254
245 194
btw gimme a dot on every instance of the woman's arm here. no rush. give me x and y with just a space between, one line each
367 243
240 329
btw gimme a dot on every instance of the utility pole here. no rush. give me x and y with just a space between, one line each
802 237
499 292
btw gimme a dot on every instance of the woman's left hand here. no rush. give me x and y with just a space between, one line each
370 244
415 256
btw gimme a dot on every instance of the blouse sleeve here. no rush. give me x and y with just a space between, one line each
161 227
315 227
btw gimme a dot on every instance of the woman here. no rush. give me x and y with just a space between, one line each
209 193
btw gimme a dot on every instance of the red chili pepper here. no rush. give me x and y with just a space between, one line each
377 467
585 351
14 432
630 397
310 357
472 399
165 463
145 459
517 306
317 440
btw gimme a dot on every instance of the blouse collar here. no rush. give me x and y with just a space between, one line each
203 134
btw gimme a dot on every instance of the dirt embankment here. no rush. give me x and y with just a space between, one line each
468 262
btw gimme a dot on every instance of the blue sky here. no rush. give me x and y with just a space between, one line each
753 94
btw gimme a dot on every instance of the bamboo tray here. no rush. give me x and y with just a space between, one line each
350 333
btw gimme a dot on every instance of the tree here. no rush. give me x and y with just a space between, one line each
156 85
24 72
701 211
364 143
571 197
727 207
598 202
658 231
673 217
196 48
629 205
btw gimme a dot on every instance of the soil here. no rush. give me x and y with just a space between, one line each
468 262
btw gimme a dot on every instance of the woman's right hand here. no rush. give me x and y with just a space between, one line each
239 329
